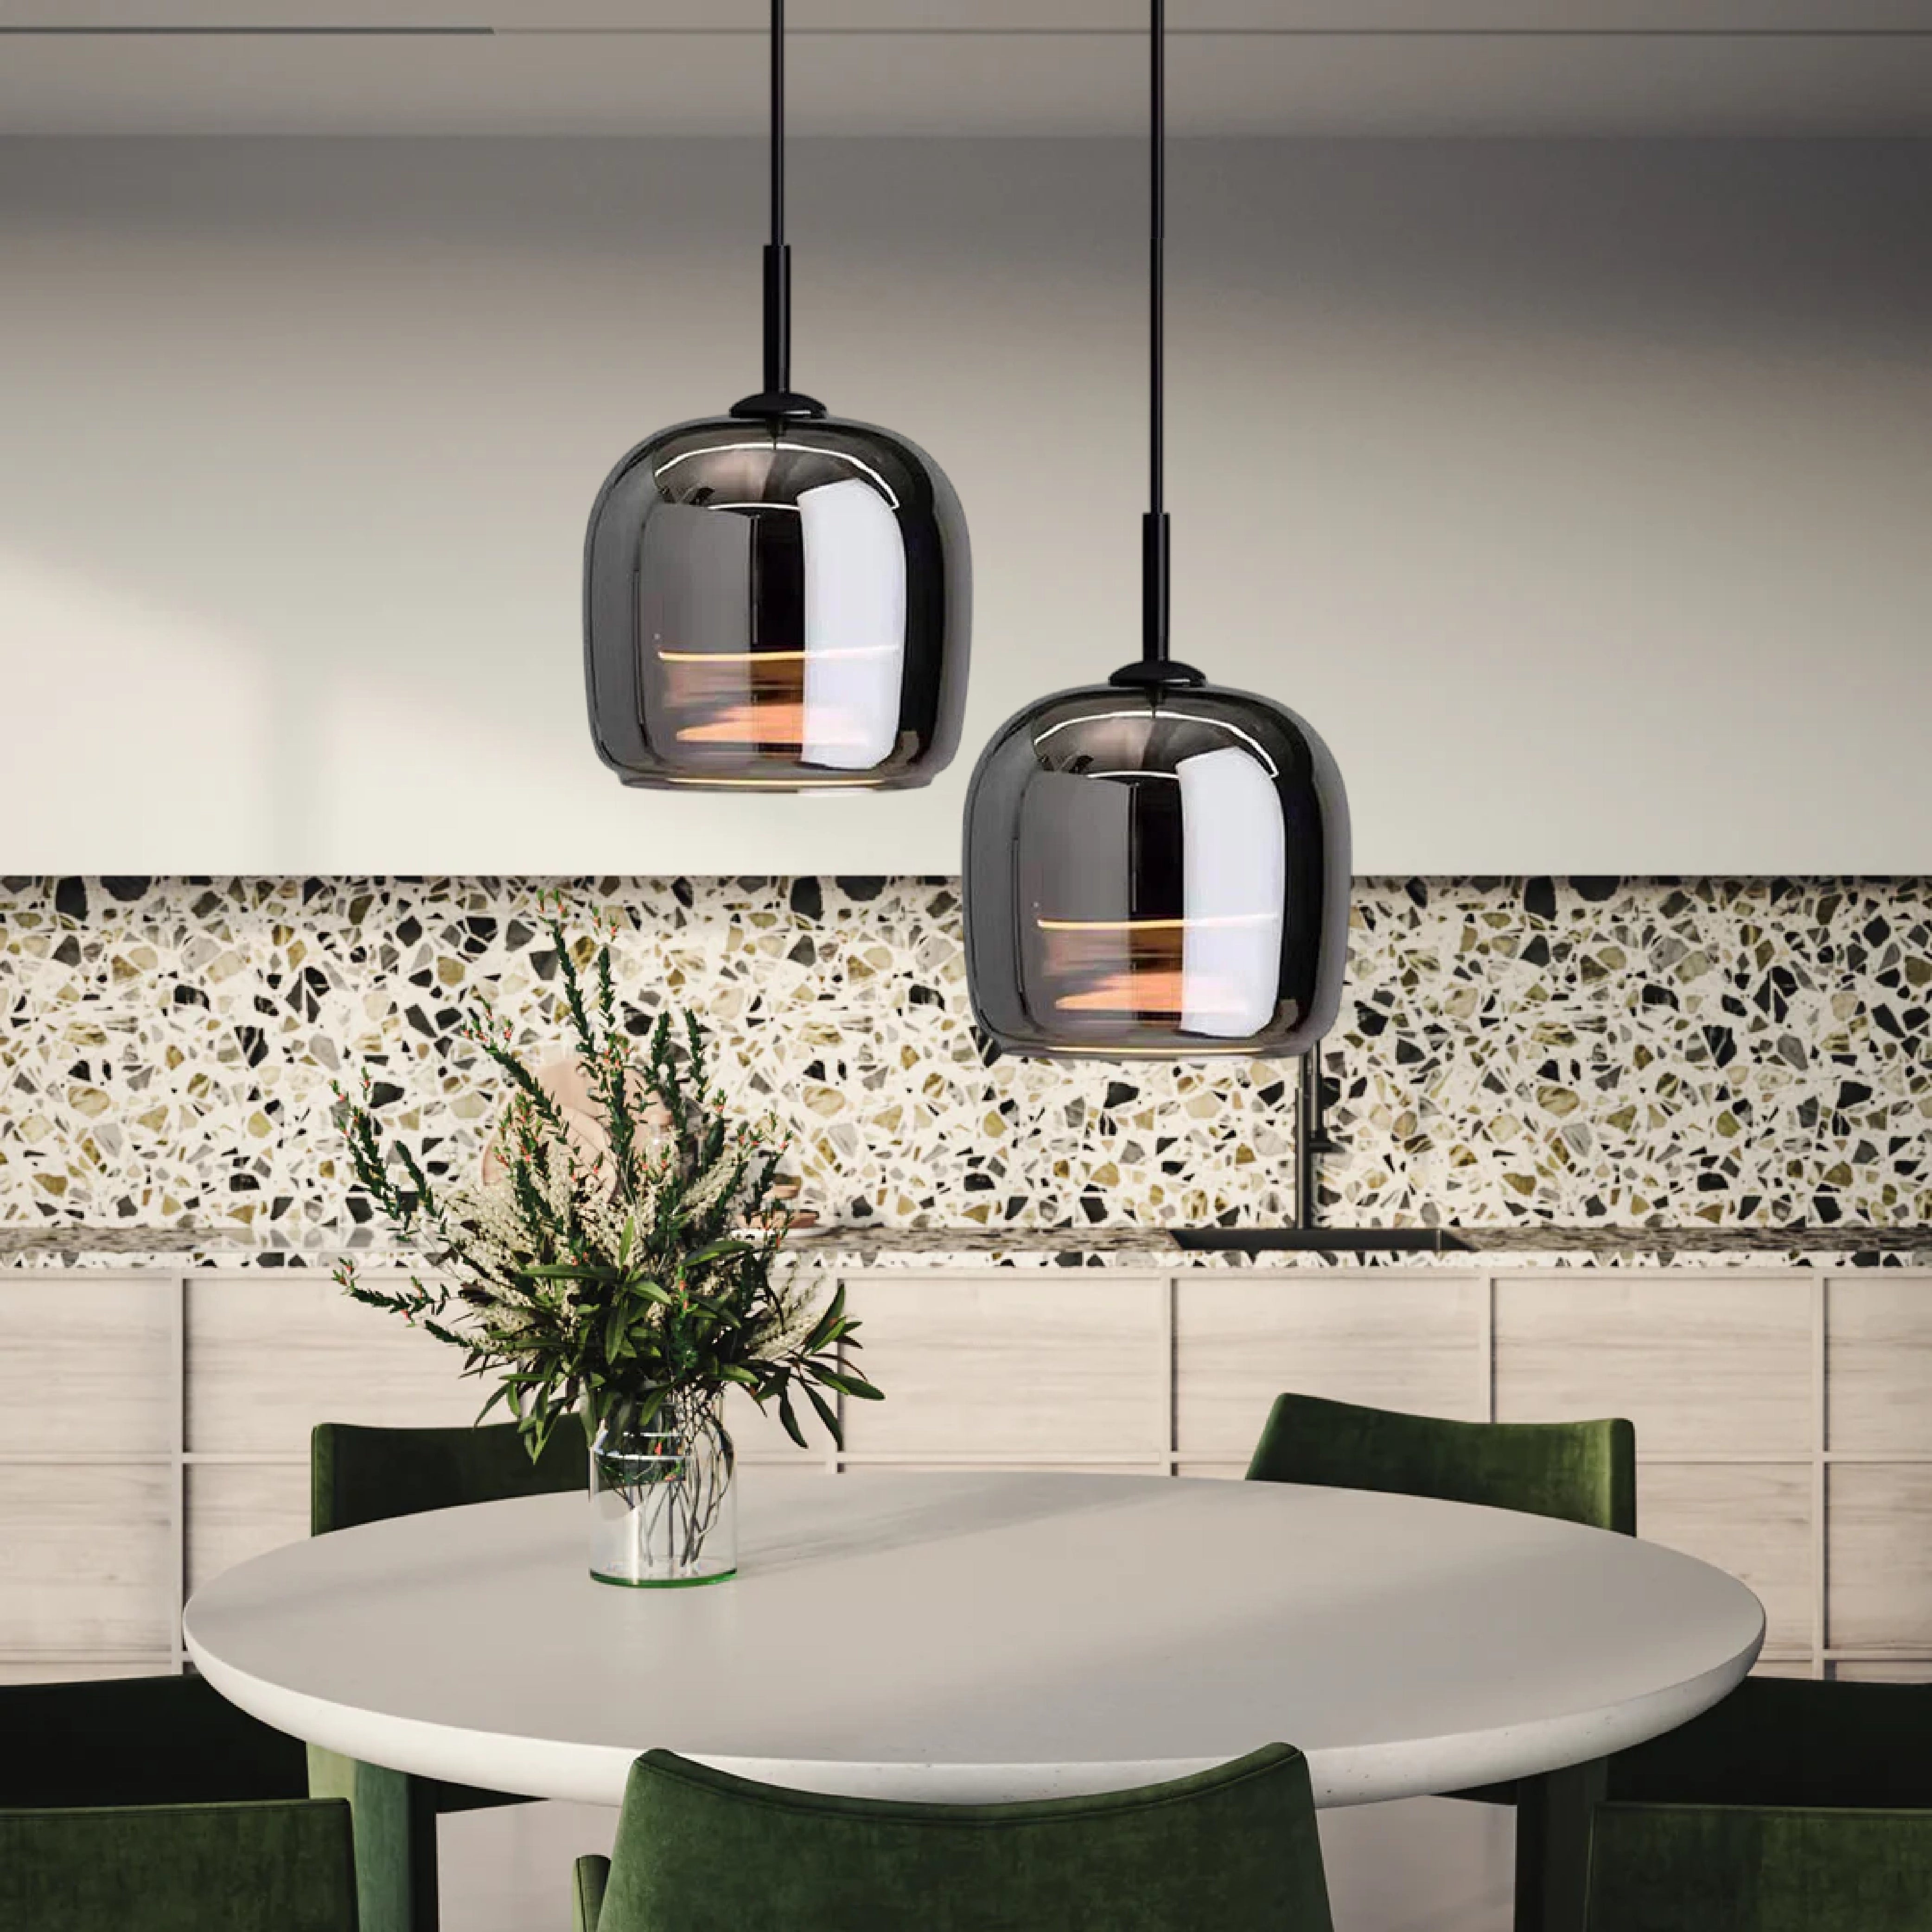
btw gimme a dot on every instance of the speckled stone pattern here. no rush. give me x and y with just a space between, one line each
1740 1052
169 1047
1510 1051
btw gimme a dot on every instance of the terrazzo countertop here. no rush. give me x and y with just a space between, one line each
1127 1248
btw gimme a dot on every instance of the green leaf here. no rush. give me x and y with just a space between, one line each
717 1251
789 1417
826 1329
847 1383
614 1340
826 1415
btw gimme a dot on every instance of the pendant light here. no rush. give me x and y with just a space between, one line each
1154 866
773 599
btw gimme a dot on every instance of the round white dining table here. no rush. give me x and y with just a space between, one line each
976 1636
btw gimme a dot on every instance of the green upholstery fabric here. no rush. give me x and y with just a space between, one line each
1717 1868
359 1475
1580 1471
367 1475
275 1867
395 1839
587 1903
138 1740
1792 1741
1234 1850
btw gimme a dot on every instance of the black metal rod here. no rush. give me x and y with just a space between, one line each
1326 1241
1307 1125
778 255
1154 544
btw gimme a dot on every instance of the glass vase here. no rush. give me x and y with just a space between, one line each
664 1513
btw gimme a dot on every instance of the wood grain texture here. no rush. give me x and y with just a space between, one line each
1878 1364
1241 1341
87 1364
54 1672
236 1510
1040 1367
1755 1522
1878 1533
1868 1670
1701 1365
88 1568
1043 1370
270 1358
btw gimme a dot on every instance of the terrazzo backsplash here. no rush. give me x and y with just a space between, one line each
1739 1052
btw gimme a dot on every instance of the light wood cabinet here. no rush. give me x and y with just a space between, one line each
154 1426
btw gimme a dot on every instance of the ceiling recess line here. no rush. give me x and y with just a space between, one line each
177 33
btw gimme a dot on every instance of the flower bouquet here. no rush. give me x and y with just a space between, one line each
619 1258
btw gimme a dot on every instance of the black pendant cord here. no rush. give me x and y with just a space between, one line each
1155 668
776 400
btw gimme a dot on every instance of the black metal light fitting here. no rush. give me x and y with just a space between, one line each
1155 867
775 599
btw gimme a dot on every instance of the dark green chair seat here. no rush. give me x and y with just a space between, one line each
1726 1868
278 1866
138 1740
1234 1849
359 1475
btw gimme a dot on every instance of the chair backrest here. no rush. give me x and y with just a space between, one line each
281 1867
365 1475
1723 1868
139 1741
1234 1848
1581 1471
1792 1742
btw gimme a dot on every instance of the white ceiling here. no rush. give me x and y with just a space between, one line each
967 67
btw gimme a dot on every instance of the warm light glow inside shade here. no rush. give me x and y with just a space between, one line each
775 605
1154 866
1158 872
776 600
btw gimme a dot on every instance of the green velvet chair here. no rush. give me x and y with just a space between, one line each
1751 1868
1793 1806
274 1866
361 1475
358 1475
1582 1472
1234 1849
1791 1741
126 1740
1579 1471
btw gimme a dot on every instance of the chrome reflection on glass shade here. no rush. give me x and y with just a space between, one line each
776 604
1162 872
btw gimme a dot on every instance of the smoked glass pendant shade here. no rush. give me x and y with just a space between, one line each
781 603
1160 870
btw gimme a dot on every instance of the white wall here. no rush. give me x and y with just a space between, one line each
1578 492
